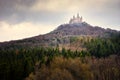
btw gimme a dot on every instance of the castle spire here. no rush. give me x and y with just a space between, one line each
73 17
81 19
78 15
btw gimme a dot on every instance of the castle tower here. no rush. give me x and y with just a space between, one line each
73 17
81 19
78 15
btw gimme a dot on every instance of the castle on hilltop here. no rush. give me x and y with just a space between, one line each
77 19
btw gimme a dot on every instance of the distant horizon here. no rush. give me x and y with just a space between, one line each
21 19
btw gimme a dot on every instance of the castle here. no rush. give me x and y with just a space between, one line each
77 19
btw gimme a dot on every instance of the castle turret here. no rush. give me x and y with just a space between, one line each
81 19
78 15
73 17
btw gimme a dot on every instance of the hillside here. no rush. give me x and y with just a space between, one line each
70 52
82 29
61 36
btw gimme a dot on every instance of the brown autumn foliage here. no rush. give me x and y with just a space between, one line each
85 68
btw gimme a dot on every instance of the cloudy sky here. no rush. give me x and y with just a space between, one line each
25 18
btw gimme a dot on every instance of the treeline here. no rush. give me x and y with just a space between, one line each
16 64
103 47
79 68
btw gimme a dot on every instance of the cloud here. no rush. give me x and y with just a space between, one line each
16 11
25 18
55 5
22 30
72 5
54 11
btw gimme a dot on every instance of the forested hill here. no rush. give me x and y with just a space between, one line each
83 29
61 35
70 52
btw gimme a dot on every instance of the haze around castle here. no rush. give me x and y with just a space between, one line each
26 18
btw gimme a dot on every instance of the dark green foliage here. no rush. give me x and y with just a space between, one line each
102 47
79 68
18 62
73 39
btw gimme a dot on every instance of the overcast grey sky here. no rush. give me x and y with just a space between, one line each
25 18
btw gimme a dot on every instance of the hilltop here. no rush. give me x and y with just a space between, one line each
73 51
62 35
